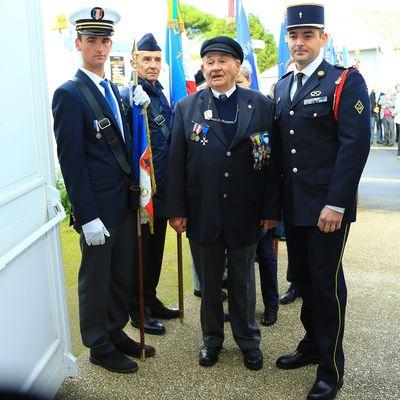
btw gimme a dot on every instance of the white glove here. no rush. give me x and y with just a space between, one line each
95 232
140 96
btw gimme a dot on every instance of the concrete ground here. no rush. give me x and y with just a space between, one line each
372 339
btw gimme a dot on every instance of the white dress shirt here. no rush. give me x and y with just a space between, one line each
228 93
96 80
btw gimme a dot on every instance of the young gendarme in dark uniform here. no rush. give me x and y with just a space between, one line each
98 191
160 120
323 150
217 193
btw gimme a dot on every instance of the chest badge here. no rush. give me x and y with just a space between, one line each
315 93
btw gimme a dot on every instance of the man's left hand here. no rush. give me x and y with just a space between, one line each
140 97
268 224
329 220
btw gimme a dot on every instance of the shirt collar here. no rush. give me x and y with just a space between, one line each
94 77
228 93
310 69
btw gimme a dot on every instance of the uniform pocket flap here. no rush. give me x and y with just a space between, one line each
315 113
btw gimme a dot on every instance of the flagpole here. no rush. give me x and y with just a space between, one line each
135 57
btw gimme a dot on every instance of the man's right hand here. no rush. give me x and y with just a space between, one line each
178 224
95 232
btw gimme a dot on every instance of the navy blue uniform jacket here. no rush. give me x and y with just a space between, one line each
215 185
93 178
321 160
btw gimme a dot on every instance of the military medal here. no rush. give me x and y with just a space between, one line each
204 131
261 149
98 135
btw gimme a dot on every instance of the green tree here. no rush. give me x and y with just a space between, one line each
200 24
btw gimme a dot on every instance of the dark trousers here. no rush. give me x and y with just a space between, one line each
318 260
268 266
153 250
104 287
210 263
291 270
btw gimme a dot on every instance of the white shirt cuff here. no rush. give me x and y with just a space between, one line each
337 209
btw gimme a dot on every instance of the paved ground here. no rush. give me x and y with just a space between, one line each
380 183
372 262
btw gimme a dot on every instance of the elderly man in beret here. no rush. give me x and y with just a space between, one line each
217 194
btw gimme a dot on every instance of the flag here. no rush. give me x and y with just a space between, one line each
143 161
329 52
179 71
345 57
283 50
244 39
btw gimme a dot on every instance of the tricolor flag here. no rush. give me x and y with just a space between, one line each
181 81
244 39
143 161
329 52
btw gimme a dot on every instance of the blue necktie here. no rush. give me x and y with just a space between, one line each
223 97
111 102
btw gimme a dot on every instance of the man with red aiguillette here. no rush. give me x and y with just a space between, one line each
323 117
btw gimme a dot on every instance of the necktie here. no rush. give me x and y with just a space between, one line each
299 80
223 97
111 102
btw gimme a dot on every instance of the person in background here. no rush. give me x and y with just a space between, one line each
387 103
396 113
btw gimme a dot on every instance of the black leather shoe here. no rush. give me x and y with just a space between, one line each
253 359
132 348
114 361
290 296
224 295
208 355
158 310
270 316
296 360
324 391
151 325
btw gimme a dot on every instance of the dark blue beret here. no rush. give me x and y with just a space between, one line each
148 43
305 15
224 44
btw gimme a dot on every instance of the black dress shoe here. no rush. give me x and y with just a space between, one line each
208 355
224 295
270 316
290 296
132 348
158 310
296 360
324 391
114 361
253 359
151 325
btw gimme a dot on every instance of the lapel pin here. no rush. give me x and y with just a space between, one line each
208 114
321 73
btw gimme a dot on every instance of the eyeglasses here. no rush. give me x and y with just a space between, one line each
223 120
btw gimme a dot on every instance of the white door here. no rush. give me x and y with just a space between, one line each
34 333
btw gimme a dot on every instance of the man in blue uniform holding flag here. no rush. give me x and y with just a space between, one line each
160 119
322 115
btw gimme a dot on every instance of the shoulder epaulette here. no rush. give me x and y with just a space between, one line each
352 67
